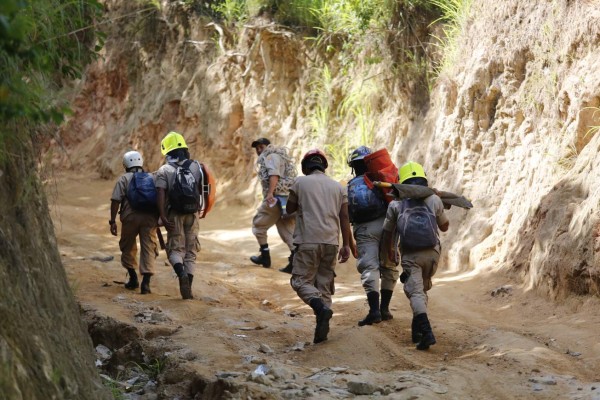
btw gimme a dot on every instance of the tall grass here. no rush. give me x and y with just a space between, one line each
455 14
321 92
232 11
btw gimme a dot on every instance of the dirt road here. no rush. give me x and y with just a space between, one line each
507 346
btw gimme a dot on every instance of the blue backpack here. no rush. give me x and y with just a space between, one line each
417 225
364 204
141 192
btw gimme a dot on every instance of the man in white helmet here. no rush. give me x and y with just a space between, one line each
134 198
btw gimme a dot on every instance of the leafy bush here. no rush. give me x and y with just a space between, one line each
42 42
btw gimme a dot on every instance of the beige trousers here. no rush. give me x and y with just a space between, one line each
266 217
142 225
421 266
314 272
182 243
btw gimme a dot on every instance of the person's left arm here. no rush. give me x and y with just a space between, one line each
292 203
441 218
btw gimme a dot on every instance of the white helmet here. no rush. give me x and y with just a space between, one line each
133 159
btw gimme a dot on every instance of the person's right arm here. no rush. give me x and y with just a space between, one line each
114 209
116 199
161 190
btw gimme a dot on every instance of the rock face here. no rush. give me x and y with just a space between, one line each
45 351
514 128
510 124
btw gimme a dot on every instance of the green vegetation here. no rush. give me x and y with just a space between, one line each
152 369
455 14
42 43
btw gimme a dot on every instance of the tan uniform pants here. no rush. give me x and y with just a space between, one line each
368 238
421 265
182 243
314 272
142 225
266 217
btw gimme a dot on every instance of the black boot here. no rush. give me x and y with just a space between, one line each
415 331
386 297
428 339
133 283
146 283
184 282
374 316
323 314
191 279
288 268
265 256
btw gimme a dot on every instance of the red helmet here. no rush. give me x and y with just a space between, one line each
314 158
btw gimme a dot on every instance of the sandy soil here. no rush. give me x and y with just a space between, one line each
512 345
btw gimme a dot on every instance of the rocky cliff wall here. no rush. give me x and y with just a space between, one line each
509 123
512 125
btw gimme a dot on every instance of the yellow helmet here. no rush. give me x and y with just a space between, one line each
172 141
411 170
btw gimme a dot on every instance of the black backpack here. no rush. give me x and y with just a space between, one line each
417 225
141 192
184 197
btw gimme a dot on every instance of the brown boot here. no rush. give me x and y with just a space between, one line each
184 282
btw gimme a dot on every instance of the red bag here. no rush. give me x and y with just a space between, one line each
381 168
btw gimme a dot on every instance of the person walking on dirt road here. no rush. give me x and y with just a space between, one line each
321 205
179 197
134 198
276 172
416 223
367 209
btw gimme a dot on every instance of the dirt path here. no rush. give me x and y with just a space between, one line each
513 345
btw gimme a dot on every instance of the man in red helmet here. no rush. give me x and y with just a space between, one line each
321 205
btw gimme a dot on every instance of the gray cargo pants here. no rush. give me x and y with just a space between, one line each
368 237
421 265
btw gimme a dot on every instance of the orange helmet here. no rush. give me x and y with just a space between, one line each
314 158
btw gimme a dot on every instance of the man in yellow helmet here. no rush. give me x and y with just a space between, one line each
415 222
179 197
